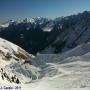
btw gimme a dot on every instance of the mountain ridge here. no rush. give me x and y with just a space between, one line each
58 35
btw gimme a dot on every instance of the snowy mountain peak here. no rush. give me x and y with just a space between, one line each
6 24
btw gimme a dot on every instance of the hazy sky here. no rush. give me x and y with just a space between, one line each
15 9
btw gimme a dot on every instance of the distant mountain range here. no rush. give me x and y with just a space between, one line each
42 35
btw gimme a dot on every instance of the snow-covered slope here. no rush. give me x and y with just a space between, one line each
12 63
48 71
66 71
10 51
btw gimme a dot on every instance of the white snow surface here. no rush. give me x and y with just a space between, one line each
4 25
12 59
66 71
47 29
